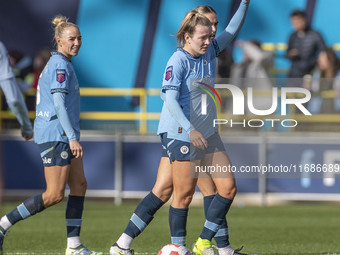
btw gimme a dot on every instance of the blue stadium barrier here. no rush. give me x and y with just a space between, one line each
23 169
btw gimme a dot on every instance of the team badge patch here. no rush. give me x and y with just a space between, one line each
61 75
184 149
168 73
64 155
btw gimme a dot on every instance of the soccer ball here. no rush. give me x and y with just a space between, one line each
174 249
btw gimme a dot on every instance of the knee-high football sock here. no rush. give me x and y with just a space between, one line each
140 219
28 208
222 235
74 212
216 214
178 222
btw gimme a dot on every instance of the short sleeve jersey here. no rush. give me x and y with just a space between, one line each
57 76
6 71
187 75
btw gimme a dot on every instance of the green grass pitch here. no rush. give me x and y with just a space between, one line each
290 229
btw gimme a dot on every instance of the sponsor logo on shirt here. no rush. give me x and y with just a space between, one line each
168 73
47 160
43 114
61 75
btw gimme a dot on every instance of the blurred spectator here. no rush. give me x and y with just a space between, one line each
254 72
326 77
39 62
13 94
256 63
23 68
303 48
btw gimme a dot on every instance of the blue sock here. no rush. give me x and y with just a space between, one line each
178 222
28 208
222 235
143 215
74 212
216 214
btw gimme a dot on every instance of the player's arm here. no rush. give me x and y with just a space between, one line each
171 102
18 106
60 109
234 26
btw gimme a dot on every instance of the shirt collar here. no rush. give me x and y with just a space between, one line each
188 54
59 54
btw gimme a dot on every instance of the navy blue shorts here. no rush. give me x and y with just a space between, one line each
55 153
164 152
180 150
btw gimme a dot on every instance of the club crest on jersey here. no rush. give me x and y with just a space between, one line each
64 154
184 149
61 75
168 73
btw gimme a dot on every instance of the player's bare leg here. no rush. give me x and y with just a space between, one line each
77 181
56 178
163 187
206 185
224 181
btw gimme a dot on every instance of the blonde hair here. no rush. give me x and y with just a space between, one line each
205 9
190 21
60 23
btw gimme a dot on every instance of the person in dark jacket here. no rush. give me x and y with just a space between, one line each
303 47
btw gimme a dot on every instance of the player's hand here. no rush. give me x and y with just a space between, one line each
198 140
26 136
76 149
293 54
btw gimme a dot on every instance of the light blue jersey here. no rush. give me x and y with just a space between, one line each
191 77
6 71
12 92
57 76
181 74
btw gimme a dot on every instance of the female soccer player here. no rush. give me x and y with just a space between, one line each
188 73
163 187
57 134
